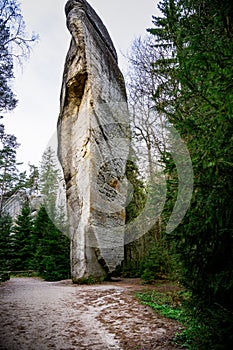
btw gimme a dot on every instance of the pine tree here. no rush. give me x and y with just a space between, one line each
196 96
14 47
8 165
33 179
52 256
22 240
5 242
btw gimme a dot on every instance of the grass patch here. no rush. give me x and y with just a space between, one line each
167 304
171 305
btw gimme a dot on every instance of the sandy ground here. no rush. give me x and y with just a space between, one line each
38 315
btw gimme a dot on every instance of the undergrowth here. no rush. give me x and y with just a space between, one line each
171 305
89 280
23 274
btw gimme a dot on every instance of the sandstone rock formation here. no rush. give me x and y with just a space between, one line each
14 205
93 138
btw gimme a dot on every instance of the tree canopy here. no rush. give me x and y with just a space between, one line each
15 46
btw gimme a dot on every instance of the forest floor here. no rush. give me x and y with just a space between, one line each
39 315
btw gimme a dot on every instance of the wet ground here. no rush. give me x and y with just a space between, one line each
39 315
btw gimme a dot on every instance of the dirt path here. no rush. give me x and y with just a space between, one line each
38 315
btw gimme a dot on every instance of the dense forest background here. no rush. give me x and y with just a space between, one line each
179 76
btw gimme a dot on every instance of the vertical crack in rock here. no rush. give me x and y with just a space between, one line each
93 144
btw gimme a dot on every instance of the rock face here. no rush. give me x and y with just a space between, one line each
93 139
14 205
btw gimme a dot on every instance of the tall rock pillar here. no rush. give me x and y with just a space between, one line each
93 144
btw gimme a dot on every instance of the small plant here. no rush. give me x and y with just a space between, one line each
85 280
170 305
90 280
167 304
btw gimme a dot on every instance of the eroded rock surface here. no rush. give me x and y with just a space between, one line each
14 205
93 135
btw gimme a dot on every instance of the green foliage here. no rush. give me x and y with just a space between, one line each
34 246
196 97
131 267
172 305
4 276
24 274
137 198
159 263
166 304
22 241
8 165
91 280
49 182
52 252
87 280
31 182
5 242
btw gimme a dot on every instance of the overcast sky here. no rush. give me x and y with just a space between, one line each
37 87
